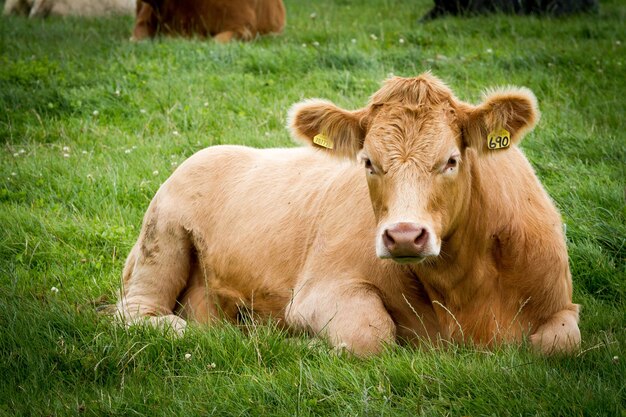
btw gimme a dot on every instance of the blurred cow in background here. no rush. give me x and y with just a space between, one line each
85 8
220 19
548 7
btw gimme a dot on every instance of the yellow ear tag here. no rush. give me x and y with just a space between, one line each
499 139
323 140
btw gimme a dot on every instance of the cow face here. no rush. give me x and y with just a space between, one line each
411 156
413 141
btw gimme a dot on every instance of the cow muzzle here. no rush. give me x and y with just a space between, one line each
406 242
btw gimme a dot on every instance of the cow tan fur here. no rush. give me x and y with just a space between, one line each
221 19
83 8
431 235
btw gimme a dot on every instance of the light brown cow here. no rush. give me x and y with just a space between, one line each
83 8
220 19
463 243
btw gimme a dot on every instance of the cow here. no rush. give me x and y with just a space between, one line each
415 218
520 7
223 20
83 8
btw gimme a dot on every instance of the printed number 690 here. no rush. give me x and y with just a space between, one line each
496 142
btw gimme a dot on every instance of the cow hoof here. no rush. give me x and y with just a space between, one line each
137 39
224 37
559 335
169 323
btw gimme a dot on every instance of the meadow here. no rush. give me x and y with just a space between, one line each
91 124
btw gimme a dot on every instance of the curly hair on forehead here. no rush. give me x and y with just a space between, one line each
423 90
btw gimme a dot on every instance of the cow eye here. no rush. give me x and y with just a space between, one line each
452 163
368 165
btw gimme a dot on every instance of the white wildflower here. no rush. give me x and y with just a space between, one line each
489 51
401 40
16 154
313 15
21 151
175 133
353 40
66 155
373 37
66 149
14 174
128 151
187 356
142 111
54 290
316 44
96 112
155 172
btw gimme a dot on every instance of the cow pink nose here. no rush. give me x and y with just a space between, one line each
405 240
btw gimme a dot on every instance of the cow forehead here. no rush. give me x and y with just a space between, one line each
418 134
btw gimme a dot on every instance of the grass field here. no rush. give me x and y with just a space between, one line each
91 124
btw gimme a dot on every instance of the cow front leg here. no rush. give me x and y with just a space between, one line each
240 23
349 314
559 334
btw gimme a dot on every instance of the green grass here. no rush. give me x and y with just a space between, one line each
74 186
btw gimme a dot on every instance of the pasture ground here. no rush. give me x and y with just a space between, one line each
91 124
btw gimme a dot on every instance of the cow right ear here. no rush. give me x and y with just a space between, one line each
321 124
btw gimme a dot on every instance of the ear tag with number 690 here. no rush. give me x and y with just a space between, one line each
499 139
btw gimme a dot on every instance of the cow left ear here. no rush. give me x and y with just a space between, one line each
322 124
502 120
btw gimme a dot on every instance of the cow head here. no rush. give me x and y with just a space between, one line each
414 140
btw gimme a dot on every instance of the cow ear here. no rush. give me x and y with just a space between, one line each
501 120
321 124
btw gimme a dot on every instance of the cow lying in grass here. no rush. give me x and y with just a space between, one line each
462 244
84 8
220 19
